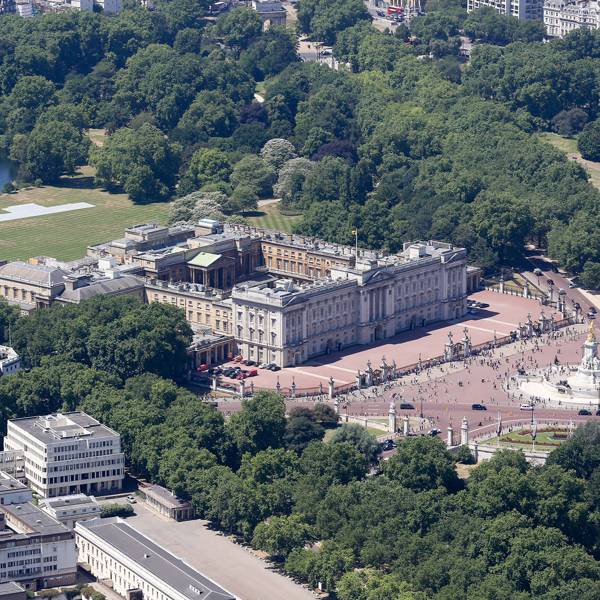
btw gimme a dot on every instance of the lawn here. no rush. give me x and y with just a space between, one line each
544 440
269 217
66 235
569 147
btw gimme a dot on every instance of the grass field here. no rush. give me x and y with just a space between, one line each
269 217
569 147
66 235
544 440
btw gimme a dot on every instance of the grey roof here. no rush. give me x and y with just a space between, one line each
50 428
70 501
10 484
104 286
150 557
35 274
10 587
34 519
165 497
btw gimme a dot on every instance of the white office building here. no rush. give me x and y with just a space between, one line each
13 491
66 454
70 509
522 9
10 361
35 549
111 549
561 17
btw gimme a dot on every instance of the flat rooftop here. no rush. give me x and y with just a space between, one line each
62 426
10 587
34 519
10 484
70 501
151 557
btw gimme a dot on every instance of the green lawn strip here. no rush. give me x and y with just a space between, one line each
66 235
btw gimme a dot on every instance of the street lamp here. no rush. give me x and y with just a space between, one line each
421 401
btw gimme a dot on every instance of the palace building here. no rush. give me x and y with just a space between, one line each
269 296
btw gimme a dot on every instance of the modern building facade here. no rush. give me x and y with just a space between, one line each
67 454
10 361
112 549
525 10
271 13
70 509
561 17
13 491
35 549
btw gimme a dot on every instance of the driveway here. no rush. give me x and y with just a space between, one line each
227 563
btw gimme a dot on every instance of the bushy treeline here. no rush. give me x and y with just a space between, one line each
409 529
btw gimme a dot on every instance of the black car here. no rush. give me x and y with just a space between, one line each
584 412
478 406
274 368
406 406
598 413
387 445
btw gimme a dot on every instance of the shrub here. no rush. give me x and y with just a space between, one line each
116 510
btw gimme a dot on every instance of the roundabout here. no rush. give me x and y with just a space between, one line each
577 385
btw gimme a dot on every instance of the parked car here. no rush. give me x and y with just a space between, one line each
406 406
478 406
274 367
387 445
598 412
252 373
526 407
131 499
591 315
263 366
249 363
435 431
584 412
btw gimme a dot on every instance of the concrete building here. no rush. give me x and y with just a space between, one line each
113 550
110 7
561 17
10 361
70 509
67 454
167 504
13 491
271 13
35 549
522 9
12 462
7 7
11 590
25 8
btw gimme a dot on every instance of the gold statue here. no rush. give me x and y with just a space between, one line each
591 332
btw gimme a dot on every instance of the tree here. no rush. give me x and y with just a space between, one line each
277 152
198 205
52 149
334 463
208 165
360 437
301 429
588 141
422 464
244 198
239 27
280 535
141 161
291 180
569 122
255 173
370 584
325 415
9 315
590 276
581 453
260 424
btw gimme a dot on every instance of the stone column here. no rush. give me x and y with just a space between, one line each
501 284
278 386
293 388
213 383
526 289
392 417
242 387
330 388
336 406
450 441
476 451
405 424
358 380
464 432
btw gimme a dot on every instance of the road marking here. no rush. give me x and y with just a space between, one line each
315 375
342 369
487 330
501 322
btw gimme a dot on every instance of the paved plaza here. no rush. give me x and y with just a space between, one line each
501 317
229 564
